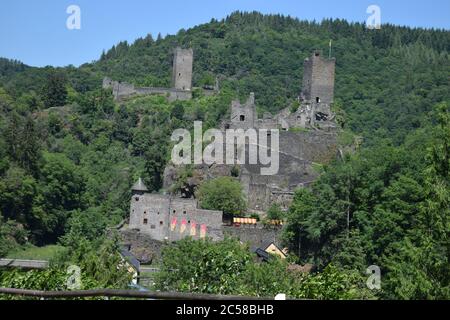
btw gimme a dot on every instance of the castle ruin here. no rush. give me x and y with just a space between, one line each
181 81
308 136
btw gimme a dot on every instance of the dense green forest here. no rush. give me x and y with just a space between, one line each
69 153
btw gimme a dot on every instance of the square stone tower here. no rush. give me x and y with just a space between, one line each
318 79
243 116
182 69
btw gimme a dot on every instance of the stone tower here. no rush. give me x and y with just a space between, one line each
318 79
243 116
182 69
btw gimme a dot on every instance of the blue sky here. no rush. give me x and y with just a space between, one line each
35 31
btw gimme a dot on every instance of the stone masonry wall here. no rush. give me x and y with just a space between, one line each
123 90
243 116
152 214
254 236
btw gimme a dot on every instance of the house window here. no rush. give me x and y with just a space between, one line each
242 118
137 198
184 212
152 226
174 211
317 99
145 221
161 223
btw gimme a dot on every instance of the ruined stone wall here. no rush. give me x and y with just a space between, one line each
119 89
309 115
209 92
243 116
282 198
267 124
182 69
123 90
171 93
313 146
152 90
179 95
298 151
254 236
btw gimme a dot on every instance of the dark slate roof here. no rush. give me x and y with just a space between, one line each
262 254
266 244
130 258
139 186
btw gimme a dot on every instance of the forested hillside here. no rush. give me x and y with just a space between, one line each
69 153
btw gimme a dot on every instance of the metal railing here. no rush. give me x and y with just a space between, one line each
121 294
22 263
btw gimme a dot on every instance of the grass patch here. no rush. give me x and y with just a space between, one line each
317 167
346 138
30 252
299 129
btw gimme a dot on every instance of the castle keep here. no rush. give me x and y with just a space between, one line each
182 69
318 79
